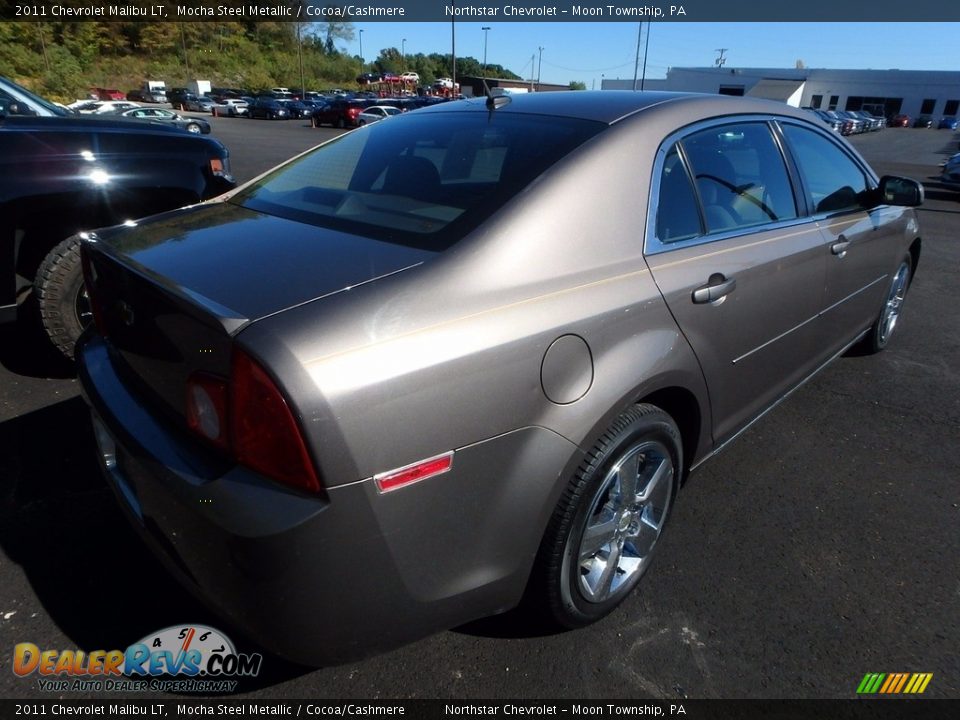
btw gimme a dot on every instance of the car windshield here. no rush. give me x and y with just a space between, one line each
418 180
35 100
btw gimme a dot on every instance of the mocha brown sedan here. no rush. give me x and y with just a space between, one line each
469 355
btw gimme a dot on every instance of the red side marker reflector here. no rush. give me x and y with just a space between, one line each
394 479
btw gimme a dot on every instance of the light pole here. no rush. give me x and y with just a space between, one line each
361 52
453 43
403 53
486 32
539 67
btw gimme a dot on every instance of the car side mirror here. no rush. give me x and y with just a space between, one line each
900 191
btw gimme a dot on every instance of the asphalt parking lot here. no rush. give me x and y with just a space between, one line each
820 546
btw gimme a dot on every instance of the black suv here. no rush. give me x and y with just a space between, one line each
62 173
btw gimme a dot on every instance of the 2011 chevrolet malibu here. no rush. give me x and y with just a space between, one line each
467 356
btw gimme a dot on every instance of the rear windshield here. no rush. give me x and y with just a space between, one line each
422 180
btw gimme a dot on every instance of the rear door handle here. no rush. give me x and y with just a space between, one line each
717 287
839 248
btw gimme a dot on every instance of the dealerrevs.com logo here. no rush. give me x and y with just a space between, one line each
182 658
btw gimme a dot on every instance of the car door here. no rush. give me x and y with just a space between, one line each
860 243
740 268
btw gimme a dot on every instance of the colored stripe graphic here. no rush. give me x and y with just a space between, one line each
894 683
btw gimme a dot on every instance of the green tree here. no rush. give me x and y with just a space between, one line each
577 85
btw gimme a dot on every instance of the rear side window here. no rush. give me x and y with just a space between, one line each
422 180
832 180
740 176
678 217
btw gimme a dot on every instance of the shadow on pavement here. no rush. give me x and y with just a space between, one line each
25 349
61 524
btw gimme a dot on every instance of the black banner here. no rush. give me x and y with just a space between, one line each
478 10
919 709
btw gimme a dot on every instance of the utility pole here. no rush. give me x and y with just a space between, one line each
646 47
636 63
361 52
720 58
533 60
43 47
303 85
486 32
539 68
183 41
453 44
403 53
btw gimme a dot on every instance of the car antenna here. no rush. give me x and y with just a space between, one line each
494 101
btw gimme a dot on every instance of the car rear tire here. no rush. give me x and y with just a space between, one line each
61 296
361 123
601 537
882 329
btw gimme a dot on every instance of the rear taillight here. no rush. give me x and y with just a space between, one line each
249 417
265 435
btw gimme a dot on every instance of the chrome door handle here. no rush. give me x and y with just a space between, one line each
839 248
717 287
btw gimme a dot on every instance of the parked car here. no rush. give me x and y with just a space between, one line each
104 107
62 173
147 96
410 77
377 112
198 126
231 107
947 123
873 123
900 120
835 123
924 121
268 108
341 113
427 374
366 79
107 93
177 97
198 103
950 171
446 83
298 108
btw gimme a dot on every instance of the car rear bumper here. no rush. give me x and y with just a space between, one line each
328 579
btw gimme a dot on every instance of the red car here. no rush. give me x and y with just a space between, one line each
900 121
107 93
341 113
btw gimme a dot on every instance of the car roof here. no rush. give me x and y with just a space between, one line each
609 106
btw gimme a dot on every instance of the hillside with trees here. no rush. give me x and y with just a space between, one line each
62 60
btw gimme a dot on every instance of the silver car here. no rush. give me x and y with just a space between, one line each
470 355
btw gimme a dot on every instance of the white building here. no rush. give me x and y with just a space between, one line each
880 92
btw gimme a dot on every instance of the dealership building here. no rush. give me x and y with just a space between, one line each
879 92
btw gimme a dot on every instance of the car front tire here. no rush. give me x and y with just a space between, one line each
882 329
61 295
193 128
605 528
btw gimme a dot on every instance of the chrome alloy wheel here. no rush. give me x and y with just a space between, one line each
625 520
894 304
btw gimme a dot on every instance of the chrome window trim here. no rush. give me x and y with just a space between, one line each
653 245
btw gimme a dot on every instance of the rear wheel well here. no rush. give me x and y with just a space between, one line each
681 405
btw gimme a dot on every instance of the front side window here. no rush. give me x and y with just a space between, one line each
740 176
833 181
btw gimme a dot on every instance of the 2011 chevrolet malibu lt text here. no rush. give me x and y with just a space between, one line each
465 357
